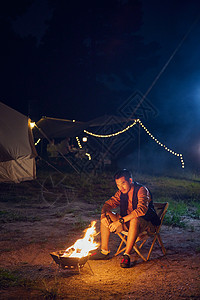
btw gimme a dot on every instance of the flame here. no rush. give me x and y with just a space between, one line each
83 246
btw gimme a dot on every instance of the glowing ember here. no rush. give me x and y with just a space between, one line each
83 246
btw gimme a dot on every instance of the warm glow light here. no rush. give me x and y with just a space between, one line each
85 139
147 131
79 143
37 142
89 156
82 247
112 134
32 124
80 146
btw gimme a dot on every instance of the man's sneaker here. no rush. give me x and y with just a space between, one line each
98 255
125 263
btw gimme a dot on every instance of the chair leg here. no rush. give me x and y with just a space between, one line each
161 244
138 252
151 248
162 208
123 240
142 244
122 237
120 251
137 248
120 245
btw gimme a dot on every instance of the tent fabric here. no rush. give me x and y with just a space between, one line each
17 151
22 169
57 128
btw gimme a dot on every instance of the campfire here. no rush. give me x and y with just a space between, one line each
78 254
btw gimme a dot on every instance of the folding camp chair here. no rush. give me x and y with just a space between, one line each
161 209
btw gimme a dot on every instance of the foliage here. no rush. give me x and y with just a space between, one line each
182 193
50 290
195 211
15 216
7 278
11 278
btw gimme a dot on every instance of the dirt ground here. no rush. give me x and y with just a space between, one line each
25 247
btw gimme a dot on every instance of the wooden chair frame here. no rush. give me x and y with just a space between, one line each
161 209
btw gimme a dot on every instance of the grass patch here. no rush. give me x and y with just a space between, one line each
64 212
12 279
50 290
174 219
12 198
177 189
181 193
15 216
7 279
175 213
194 210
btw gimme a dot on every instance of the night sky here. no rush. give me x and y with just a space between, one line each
84 59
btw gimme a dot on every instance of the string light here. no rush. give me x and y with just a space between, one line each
147 131
162 145
112 134
37 142
89 156
79 143
80 146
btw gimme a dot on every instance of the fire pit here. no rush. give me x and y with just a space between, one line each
78 254
68 262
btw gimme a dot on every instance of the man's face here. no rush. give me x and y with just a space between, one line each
123 185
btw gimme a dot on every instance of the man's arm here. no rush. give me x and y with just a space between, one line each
112 203
143 202
144 199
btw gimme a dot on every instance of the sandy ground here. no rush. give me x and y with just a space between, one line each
25 247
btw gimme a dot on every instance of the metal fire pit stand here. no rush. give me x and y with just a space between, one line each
70 263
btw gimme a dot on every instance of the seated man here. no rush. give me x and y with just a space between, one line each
136 215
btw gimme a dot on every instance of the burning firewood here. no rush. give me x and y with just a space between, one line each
78 253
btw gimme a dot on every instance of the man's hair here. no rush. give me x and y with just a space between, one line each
123 173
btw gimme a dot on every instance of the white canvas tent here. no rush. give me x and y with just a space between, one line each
17 150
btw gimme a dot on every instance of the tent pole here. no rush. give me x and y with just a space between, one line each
139 148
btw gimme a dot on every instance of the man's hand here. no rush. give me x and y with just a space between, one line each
104 221
113 226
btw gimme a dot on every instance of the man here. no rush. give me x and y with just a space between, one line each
136 215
